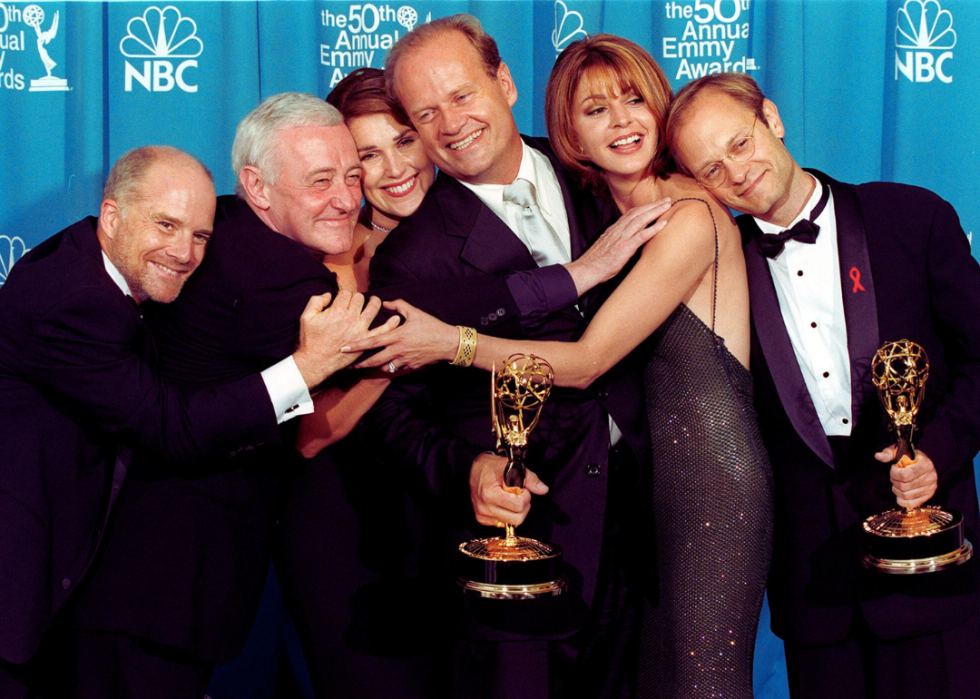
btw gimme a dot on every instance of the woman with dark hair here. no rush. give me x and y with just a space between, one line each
709 492
347 548
397 172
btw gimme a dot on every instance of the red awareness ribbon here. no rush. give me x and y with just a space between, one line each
856 278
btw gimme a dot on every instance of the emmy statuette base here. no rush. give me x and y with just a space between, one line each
510 568
911 542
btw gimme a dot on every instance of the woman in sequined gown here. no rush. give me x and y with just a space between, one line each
709 518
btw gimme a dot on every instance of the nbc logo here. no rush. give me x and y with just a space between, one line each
569 26
12 248
161 37
924 39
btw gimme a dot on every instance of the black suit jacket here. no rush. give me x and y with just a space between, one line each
188 554
906 273
76 383
437 421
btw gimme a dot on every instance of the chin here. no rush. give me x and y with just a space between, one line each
403 209
337 245
168 295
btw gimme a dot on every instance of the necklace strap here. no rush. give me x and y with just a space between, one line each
376 227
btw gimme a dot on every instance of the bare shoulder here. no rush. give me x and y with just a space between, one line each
693 218
697 207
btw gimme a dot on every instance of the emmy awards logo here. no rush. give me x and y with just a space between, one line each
407 17
34 17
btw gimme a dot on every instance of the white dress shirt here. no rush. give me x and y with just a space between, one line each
808 286
536 169
283 381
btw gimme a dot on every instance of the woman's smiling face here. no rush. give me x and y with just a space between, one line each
397 172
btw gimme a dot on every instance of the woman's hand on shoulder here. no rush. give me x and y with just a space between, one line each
616 246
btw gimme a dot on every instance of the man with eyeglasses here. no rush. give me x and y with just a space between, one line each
836 270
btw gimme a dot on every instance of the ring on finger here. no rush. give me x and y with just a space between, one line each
392 368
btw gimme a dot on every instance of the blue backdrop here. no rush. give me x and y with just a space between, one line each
867 89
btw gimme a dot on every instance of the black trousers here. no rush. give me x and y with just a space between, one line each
347 556
79 664
943 665
107 665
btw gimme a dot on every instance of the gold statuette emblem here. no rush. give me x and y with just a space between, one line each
511 566
909 540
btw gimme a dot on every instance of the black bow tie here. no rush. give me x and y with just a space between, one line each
805 231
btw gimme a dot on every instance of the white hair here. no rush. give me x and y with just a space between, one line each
255 135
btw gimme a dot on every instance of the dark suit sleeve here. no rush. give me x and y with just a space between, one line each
403 418
952 437
87 353
504 305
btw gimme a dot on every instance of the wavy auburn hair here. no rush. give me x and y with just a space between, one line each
604 60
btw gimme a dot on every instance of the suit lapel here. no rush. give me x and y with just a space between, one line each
490 245
857 288
770 328
585 220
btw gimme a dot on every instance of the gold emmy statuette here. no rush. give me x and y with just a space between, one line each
511 566
914 540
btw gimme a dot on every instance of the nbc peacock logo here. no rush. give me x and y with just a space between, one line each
569 26
924 41
12 248
167 42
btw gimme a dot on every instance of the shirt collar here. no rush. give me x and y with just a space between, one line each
767 227
493 194
115 275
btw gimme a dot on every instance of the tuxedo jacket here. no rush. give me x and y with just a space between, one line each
437 421
906 273
77 391
188 554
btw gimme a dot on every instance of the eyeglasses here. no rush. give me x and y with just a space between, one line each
714 174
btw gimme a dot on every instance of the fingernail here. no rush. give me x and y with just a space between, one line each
345 348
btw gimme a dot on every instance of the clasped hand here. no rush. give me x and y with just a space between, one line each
494 505
326 327
913 483
421 340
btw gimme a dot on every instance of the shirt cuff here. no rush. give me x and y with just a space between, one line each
540 292
287 389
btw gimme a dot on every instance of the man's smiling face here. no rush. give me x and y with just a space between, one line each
462 114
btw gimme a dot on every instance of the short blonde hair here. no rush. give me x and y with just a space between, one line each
256 134
467 25
739 86
604 59
128 173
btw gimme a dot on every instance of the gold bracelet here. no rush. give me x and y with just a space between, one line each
466 351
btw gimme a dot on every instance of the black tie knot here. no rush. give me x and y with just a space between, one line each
772 245
805 231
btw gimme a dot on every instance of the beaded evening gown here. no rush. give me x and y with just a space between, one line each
710 511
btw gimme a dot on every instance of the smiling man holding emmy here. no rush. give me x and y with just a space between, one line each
450 79
835 271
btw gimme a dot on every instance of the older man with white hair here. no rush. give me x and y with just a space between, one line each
187 558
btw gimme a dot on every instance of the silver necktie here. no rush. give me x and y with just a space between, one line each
542 240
